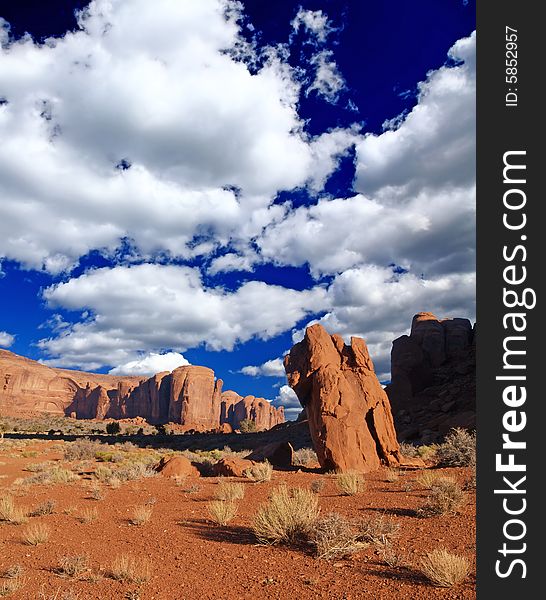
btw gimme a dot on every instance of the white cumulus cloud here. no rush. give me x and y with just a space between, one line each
151 364
143 124
6 339
164 306
270 368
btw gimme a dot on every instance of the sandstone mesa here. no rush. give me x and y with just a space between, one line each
189 396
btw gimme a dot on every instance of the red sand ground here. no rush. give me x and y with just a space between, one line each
195 559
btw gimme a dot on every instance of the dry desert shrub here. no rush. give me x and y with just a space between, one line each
458 449
408 450
44 508
392 475
89 515
427 479
444 569
335 536
304 456
96 492
38 467
222 511
230 491
317 486
445 497
192 489
103 474
287 517
378 530
392 558
36 534
141 514
13 572
72 566
427 452
133 471
84 449
131 569
260 472
10 513
52 476
10 586
350 484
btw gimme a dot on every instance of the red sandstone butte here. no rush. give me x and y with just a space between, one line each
349 414
190 396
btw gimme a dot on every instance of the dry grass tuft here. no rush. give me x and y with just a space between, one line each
259 473
36 534
131 569
44 508
141 514
444 569
334 536
304 456
229 491
89 515
73 566
445 497
10 586
378 530
11 513
317 486
287 517
392 475
350 484
222 511
13 572
427 479
96 492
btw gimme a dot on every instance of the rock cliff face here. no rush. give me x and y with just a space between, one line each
235 408
189 396
348 411
433 378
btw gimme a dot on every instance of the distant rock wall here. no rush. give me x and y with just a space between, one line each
433 378
189 396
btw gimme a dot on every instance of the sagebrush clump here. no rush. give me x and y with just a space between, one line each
287 517
335 536
458 449
445 497
260 472
350 484
444 569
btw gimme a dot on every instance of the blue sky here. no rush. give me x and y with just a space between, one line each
199 181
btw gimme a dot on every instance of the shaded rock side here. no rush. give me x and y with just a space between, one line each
348 411
433 378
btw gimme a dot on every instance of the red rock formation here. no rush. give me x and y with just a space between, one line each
433 386
235 408
349 413
189 396
279 454
195 397
177 466
27 386
232 467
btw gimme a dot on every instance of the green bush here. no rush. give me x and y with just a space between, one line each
113 428
247 426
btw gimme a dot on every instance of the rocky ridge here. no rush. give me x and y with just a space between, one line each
190 396
433 378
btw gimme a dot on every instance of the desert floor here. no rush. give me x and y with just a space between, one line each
187 556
